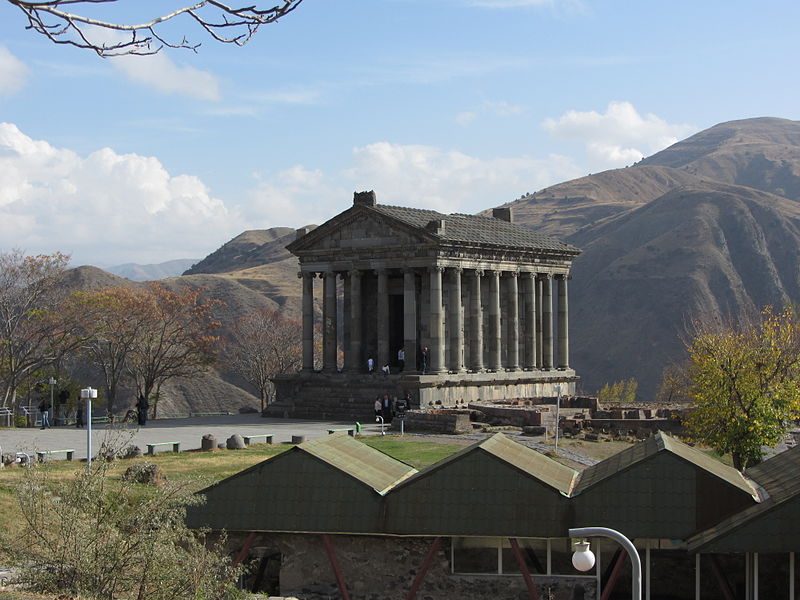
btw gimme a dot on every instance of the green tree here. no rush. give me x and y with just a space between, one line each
621 392
743 382
95 536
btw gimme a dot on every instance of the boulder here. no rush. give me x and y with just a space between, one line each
235 442
132 451
208 442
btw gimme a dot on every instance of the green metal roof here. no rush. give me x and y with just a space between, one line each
364 463
770 526
531 462
659 443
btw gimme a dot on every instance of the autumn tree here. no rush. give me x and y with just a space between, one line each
176 337
744 382
83 23
261 345
111 321
33 332
621 392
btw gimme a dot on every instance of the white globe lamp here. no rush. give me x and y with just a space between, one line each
582 557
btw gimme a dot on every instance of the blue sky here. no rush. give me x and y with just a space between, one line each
457 105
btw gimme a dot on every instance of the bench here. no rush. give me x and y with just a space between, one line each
350 431
210 414
40 455
248 439
151 448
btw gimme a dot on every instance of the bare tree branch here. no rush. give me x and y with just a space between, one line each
225 23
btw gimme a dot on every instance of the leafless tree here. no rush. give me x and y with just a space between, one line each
32 332
225 23
262 344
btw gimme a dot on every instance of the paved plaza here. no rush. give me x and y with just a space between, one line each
186 431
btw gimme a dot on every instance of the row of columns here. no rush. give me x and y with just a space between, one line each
537 293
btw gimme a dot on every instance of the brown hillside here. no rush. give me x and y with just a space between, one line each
562 209
253 248
710 249
760 153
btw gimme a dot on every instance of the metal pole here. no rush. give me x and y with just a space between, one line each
89 432
636 563
558 409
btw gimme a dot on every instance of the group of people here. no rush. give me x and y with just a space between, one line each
424 354
390 407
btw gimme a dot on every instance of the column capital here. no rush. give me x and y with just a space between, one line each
563 276
456 269
476 272
528 275
306 274
513 273
544 276
354 272
435 268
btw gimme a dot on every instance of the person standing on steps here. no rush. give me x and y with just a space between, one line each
401 359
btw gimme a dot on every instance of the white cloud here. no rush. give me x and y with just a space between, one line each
618 137
13 72
406 175
160 72
104 208
466 117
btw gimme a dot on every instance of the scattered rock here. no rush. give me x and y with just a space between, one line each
533 430
132 451
235 442
221 445
151 474
208 442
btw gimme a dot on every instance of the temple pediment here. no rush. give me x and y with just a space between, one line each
358 228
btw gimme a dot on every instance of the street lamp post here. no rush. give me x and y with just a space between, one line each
558 410
88 394
51 415
583 558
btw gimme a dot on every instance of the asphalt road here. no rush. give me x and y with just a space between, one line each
186 431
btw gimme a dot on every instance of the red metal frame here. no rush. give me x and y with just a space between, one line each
533 592
724 586
336 568
615 571
426 563
245 549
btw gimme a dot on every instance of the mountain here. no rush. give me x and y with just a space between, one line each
163 270
710 225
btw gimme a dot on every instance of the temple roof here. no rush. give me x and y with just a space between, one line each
476 229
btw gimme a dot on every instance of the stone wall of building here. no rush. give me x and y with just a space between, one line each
381 567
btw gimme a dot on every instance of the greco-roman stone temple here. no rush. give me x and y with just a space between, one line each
479 306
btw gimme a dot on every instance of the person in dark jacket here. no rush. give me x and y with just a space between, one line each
141 407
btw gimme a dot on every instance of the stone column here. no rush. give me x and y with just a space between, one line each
563 323
436 323
512 328
476 323
308 321
410 319
456 322
494 321
353 358
329 322
547 321
538 301
529 292
383 319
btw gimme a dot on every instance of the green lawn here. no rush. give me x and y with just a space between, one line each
201 469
